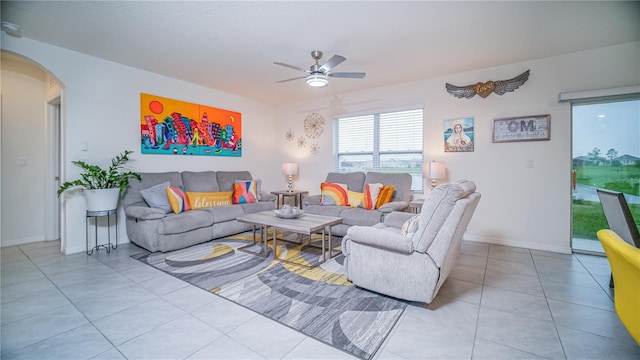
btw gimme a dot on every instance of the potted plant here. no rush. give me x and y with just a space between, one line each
102 187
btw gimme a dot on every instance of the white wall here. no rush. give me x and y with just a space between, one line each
525 207
101 106
23 138
520 206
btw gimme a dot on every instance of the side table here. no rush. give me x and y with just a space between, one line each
95 215
297 195
416 205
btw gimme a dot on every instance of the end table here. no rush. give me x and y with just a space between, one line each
297 195
96 215
416 205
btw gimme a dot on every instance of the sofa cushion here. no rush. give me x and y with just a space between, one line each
410 226
371 192
334 194
244 193
224 213
325 210
355 198
257 207
226 179
353 180
360 216
184 222
200 200
385 196
132 194
178 199
200 181
156 196
257 184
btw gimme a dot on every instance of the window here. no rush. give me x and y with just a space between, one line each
385 142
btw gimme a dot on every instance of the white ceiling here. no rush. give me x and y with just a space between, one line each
231 45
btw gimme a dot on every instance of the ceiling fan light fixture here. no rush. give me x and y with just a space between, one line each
317 80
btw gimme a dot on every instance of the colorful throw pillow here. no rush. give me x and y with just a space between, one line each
156 197
355 198
410 226
178 199
385 196
334 194
244 193
209 199
257 185
371 192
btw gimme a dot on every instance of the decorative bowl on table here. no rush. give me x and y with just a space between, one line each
288 212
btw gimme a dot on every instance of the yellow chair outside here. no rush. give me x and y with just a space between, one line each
625 268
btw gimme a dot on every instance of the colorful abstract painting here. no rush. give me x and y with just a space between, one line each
174 127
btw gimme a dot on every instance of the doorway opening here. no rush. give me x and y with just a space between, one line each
605 155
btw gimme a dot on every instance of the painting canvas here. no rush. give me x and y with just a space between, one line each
458 135
174 127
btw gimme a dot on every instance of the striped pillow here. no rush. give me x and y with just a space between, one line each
371 192
178 199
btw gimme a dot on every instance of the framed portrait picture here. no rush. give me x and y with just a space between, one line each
458 135
522 128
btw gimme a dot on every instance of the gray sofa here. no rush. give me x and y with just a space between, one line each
156 230
356 181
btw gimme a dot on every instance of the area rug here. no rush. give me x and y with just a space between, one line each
319 302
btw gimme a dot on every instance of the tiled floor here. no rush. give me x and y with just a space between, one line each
499 303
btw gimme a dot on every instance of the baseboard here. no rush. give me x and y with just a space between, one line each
520 244
83 248
23 241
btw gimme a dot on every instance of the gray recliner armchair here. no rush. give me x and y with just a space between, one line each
412 263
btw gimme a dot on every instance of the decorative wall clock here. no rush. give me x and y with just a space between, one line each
499 87
313 125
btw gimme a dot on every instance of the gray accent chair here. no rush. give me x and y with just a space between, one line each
412 267
356 181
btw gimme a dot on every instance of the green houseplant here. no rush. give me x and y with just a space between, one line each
96 181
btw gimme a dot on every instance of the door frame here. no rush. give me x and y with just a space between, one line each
52 222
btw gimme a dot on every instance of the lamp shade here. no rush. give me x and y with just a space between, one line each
289 169
434 170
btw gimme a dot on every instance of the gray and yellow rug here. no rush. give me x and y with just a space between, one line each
318 302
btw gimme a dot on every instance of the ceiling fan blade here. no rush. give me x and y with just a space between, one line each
295 78
290 66
331 63
351 75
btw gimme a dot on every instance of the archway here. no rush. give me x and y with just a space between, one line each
32 115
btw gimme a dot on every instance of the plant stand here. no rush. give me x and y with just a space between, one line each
96 215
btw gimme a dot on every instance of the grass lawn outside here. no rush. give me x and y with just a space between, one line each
588 216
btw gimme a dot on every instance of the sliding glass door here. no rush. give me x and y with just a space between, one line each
606 154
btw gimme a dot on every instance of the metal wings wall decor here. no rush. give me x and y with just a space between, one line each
499 87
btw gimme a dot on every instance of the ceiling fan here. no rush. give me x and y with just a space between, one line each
317 74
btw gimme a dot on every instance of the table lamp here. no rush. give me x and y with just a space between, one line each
434 170
289 169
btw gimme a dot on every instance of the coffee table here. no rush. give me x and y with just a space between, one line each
305 224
